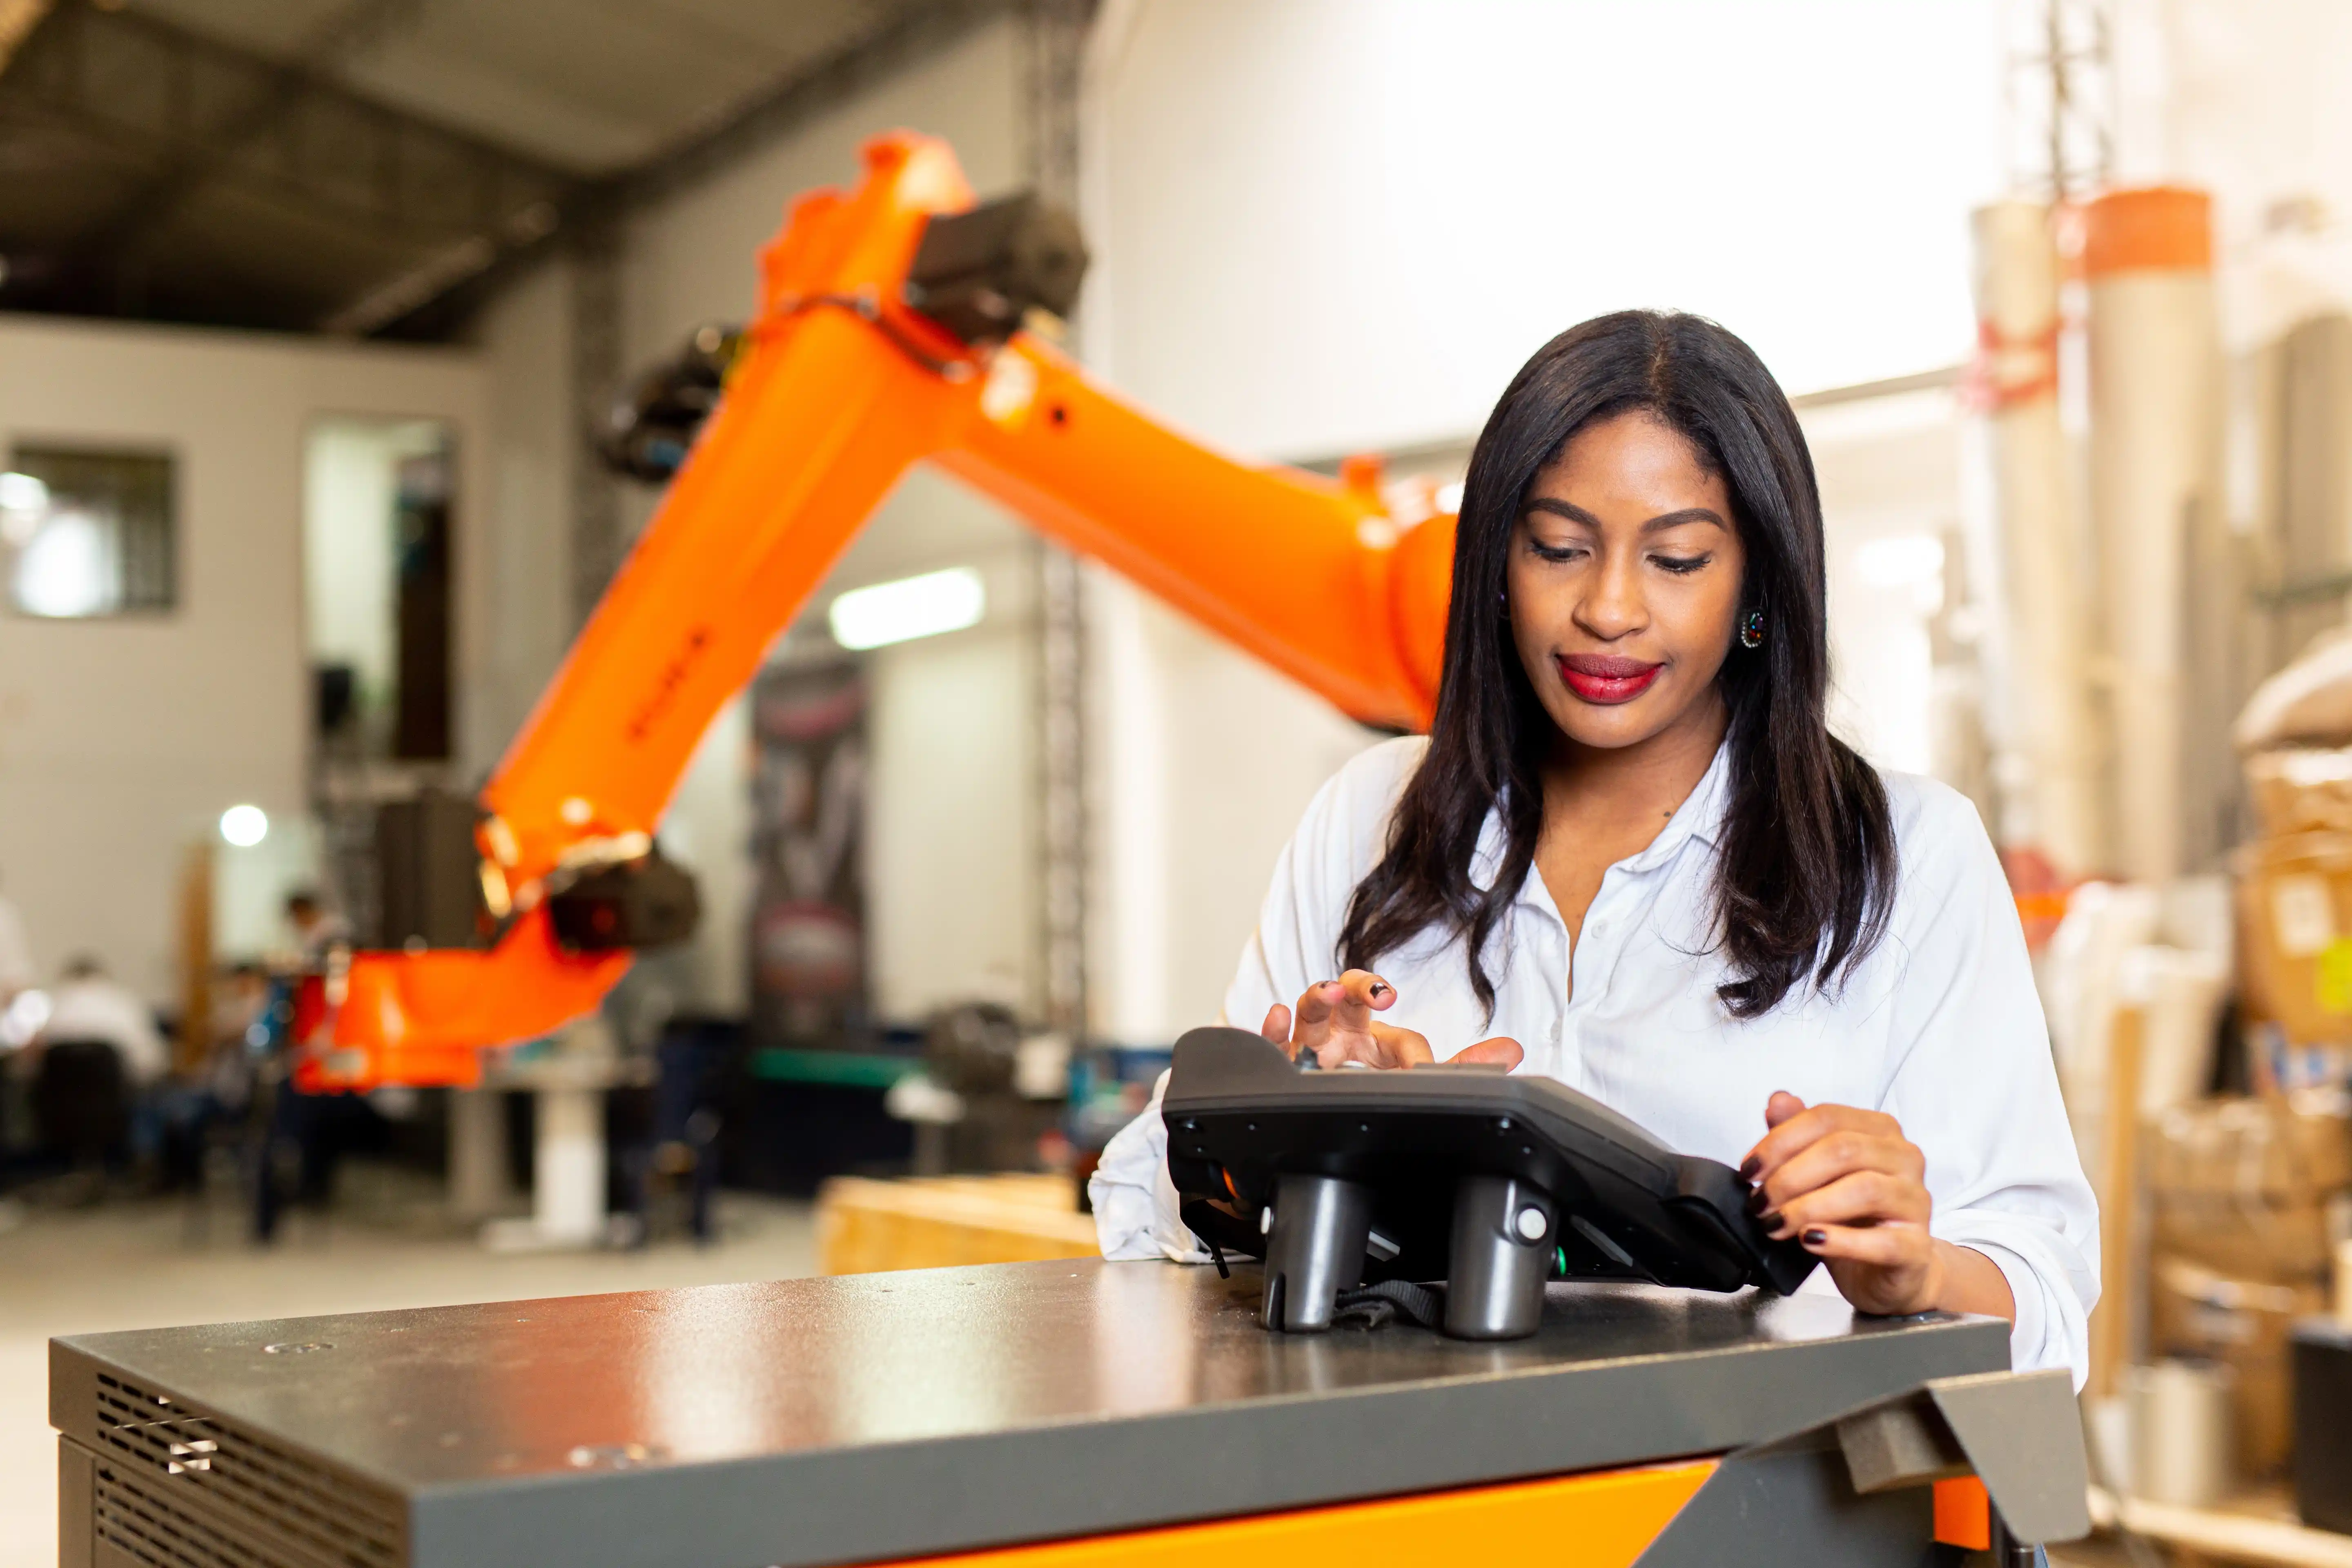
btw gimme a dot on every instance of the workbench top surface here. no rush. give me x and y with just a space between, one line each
895 1414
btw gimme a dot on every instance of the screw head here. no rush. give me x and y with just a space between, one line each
1265 1220
1531 1225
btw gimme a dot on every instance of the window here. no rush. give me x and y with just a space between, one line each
88 533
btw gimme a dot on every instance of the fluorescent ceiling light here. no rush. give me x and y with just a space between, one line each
910 607
245 825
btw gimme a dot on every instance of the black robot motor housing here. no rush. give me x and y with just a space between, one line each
1492 1183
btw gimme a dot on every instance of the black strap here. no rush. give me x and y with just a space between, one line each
1375 1306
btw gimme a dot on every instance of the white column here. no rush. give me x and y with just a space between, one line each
569 1166
1127 774
2047 722
2155 461
478 1152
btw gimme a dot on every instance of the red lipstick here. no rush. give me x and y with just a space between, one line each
1605 678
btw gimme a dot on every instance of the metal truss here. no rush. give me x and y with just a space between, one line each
182 114
1054 35
2060 93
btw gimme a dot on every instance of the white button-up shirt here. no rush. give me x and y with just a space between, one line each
1940 1026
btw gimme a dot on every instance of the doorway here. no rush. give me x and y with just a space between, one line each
377 557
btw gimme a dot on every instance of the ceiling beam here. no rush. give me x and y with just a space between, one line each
214 113
902 36
228 115
275 89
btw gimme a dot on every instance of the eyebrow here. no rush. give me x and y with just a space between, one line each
1664 520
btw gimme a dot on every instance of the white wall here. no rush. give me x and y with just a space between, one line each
1889 469
122 740
1341 225
949 835
524 339
1330 224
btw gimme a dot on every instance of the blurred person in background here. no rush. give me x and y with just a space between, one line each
96 1071
17 972
90 1004
218 1088
315 927
237 1039
17 1026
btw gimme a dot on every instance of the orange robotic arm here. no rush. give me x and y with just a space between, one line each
841 386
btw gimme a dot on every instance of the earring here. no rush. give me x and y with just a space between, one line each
1752 629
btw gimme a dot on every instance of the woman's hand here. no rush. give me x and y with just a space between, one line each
1851 1188
1334 1019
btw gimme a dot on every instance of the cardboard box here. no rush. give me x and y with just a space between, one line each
2247 1326
2293 1147
2300 791
2253 1189
2295 913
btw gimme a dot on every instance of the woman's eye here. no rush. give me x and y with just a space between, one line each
1556 551
1681 565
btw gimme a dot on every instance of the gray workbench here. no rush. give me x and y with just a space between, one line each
819 1421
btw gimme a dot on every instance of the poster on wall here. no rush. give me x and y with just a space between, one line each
808 917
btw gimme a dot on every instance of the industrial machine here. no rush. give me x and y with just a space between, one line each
1074 1413
1493 1183
897 323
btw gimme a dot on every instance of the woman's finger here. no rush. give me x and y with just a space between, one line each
1381 1046
1361 993
1839 1154
1501 1051
1276 1027
1864 1197
1315 1005
1805 1128
1402 1048
1893 1246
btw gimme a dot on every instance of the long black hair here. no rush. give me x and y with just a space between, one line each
1806 859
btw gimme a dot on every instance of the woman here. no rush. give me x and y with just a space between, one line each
1631 856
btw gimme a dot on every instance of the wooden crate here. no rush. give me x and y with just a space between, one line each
868 1226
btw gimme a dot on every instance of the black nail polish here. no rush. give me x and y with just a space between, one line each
1747 1170
1757 1200
1815 1237
1379 992
1770 1219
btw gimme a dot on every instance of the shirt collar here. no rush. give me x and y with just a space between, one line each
1699 816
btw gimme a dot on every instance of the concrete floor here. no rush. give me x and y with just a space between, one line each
140 1265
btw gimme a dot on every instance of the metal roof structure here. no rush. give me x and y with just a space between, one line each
369 167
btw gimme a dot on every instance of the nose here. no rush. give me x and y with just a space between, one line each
1613 606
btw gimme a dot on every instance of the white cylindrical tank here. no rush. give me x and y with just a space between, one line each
2047 722
2147 257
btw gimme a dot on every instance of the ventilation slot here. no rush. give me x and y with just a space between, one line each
277 1509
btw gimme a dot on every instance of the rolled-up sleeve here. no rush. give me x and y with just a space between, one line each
1975 1088
1135 1204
